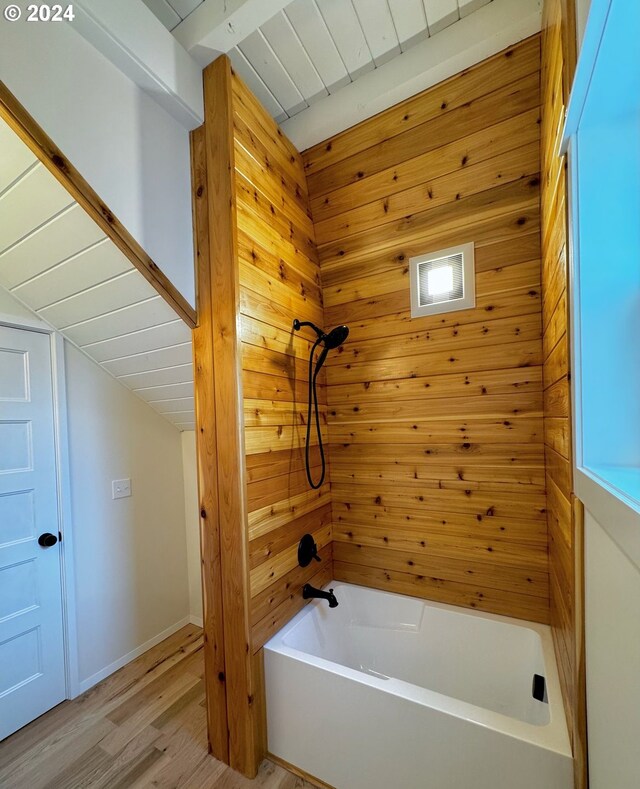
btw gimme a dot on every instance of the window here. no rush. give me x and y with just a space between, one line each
604 128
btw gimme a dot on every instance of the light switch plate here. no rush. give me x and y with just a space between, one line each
120 488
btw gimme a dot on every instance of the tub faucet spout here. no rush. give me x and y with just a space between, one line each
309 592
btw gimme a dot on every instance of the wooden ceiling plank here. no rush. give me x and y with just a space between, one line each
316 39
177 405
16 157
285 43
410 21
342 22
163 11
275 76
377 24
440 14
152 360
101 300
178 374
90 267
214 28
184 7
30 202
158 393
148 339
497 25
123 321
256 84
49 245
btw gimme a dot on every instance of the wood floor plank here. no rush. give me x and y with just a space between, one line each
83 771
196 693
143 726
142 717
42 764
141 771
130 755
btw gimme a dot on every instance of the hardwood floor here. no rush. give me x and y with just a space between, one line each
143 726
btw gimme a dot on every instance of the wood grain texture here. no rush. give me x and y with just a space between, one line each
436 424
279 280
265 273
452 93
243 690
143 726
206 448
565 520
57 163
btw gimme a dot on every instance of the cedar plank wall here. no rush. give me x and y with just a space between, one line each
435 424
279 281
564 510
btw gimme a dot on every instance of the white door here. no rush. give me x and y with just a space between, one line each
32 671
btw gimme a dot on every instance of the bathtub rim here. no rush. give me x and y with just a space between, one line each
552 736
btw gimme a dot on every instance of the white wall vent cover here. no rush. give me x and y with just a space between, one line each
443 281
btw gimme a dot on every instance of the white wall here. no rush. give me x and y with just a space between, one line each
11 310
132 152
192 521
612 635
129 555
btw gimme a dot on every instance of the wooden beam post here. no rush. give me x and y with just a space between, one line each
242 675
203 370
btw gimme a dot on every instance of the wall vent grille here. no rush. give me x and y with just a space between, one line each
442 281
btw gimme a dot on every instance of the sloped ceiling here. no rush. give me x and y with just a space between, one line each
313 48
59 263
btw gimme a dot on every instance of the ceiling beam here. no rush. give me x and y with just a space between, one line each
217 26
487 31
138 44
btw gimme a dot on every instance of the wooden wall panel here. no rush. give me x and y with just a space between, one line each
564 511
257 270
279 278
449 435
435 423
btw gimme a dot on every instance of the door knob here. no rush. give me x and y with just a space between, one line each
47 540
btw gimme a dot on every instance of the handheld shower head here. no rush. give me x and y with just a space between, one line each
335 337
328 341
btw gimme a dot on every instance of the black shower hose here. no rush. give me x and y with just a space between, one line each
313 402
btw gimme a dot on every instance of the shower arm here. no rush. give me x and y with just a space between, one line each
297 325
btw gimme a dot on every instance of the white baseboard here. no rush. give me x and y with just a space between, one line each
196 620
85 684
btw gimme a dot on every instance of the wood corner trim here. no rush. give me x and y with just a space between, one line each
242 673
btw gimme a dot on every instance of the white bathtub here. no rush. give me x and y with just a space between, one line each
387 691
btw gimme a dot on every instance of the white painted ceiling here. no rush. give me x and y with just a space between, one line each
172 12
59 263
312 48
